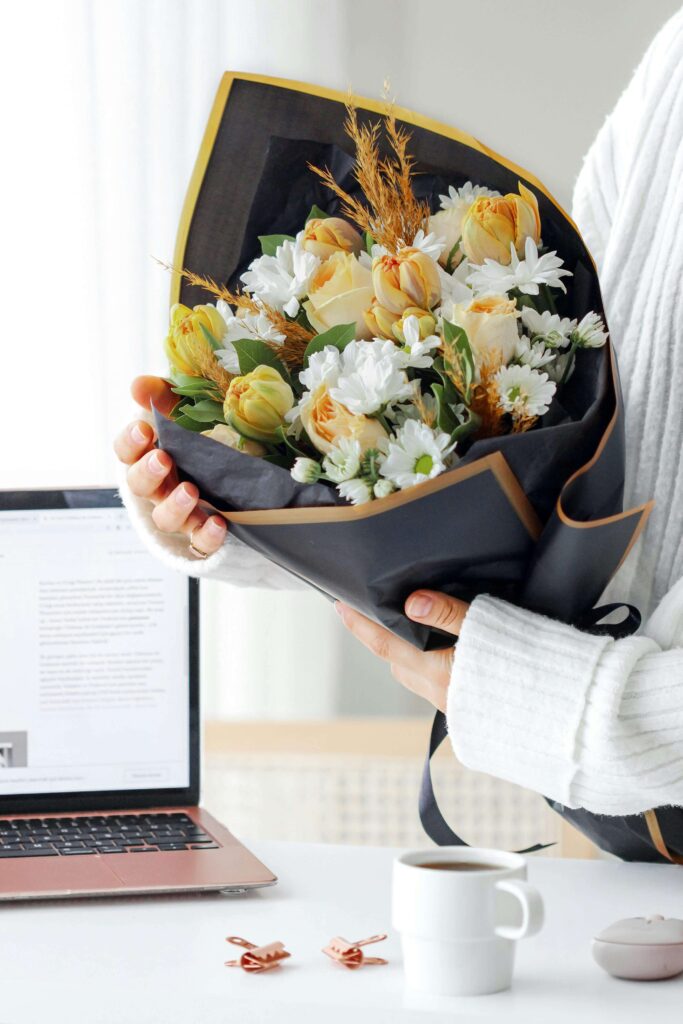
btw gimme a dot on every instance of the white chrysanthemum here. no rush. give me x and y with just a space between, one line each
526 275
283 279
534 354
377 251
323 368
383 488
371 376
416 453
523 391
343 462
431 244
416 351
463 197
356 491
245 325
551 329
590 332
454 290
305 471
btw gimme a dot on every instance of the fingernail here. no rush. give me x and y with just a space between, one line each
184 498
215 527
155 465
339 609
420 606
137 434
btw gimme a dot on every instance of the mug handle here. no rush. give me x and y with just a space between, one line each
532 909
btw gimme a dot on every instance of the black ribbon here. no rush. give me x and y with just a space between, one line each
433 821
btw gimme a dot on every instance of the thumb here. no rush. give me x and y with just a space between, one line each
153 391
438 610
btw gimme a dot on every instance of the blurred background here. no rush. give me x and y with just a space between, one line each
104 106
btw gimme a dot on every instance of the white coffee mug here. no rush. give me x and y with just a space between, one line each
459 926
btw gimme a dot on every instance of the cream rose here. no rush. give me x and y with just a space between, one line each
325 421
340 291
231 439
447 224
490 323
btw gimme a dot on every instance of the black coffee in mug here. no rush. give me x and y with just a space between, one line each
458 865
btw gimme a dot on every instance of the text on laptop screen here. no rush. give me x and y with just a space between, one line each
94 642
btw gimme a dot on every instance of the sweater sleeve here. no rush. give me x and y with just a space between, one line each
587 721
234 563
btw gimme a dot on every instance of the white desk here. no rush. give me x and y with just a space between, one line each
160 960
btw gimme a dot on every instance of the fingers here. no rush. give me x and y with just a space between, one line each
435 691
132 443
380 641
437 610
152 476
178 511
209 537
153 391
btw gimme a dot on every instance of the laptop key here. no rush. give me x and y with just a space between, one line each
68 852
206 846
27 853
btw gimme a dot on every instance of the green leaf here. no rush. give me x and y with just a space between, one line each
444 417
285 439
213 342
206 411
368 242
338 336
194 387
251 352
457 337
269 243
189 424
317 212
468 427
451 257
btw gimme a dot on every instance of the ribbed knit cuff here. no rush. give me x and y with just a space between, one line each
518 693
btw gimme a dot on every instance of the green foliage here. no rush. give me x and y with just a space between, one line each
338 336
251 352
368 241
457 337
316 212
213 342
206 411
194 387
269 243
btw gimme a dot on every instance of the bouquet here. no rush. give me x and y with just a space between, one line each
399 374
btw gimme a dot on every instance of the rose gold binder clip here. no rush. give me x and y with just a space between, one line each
350 954
257 958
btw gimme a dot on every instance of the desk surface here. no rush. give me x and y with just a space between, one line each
160 960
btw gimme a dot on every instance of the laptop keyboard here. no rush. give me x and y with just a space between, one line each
102 834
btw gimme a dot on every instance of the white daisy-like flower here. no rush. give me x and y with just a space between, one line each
454 289
283 279
416 453
305 471
431 244
464 196
551 329
523 391
590 332
356 491
371 376
526 275
377 250
245 325
383 488
343 462
533 354
416 351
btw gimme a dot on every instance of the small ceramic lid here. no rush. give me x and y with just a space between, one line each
654 930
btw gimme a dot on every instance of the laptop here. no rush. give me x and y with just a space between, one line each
99 711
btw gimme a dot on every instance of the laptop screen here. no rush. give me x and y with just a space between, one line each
95 648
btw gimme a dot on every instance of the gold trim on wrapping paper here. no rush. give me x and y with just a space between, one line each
494 463
653 827
504 475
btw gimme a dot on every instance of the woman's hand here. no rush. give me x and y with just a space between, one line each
426 673
152 473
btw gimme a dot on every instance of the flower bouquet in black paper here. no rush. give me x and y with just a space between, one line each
401 376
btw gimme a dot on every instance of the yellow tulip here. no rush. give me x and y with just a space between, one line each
493 222
326 420
426 321
409 278
256 404
185 328
339 293
324 236
379 320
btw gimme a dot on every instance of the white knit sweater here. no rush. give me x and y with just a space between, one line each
588 721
